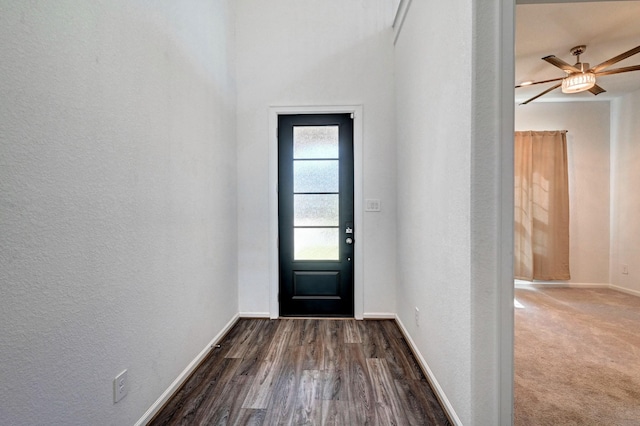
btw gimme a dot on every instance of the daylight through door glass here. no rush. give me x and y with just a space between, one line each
316 193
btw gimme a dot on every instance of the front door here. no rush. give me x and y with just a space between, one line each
315 214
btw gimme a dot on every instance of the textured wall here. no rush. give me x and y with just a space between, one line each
454 136
433 191
316 52
588 160
118 208
625 197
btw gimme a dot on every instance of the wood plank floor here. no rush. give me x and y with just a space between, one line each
307 372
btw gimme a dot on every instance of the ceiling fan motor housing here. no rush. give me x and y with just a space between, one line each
582 66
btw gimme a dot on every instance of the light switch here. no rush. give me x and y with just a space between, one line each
372 205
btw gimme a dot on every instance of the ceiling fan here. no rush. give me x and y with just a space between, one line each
580 77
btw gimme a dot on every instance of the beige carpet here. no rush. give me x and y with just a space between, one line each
577 357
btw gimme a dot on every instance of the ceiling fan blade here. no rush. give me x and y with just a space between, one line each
539 82
619 70
560 64
615 59
596 90
540 94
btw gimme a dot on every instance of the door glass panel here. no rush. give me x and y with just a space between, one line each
315 210
315 244
315 176
315 142
315 187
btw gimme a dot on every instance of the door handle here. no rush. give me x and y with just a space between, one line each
349 240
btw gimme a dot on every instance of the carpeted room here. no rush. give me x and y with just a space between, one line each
576 342
577 352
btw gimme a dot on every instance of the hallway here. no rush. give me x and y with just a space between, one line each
139 152
307 371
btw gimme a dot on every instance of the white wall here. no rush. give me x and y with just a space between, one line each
625 196
433 192
451 239
118 208
316 52
588 161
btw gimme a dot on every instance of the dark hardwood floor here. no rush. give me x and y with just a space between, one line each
307 372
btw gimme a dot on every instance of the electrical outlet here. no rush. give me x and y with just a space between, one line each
417 317
120 386
624 269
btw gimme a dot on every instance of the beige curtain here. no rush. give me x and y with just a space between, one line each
541 246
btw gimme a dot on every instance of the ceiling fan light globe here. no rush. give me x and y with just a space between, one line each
578 82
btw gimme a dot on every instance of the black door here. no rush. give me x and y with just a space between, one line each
315 213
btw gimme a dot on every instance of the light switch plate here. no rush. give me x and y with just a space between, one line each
372 205
120 386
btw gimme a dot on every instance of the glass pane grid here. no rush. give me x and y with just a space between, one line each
315 210
316 176
316 186
315 142
316 244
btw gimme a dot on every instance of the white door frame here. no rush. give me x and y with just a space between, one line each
274 278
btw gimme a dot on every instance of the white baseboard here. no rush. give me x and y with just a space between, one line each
254 315
173 388
378 315
624 290
559 284
542 284
444 401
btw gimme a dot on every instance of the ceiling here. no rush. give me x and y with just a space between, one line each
607 28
